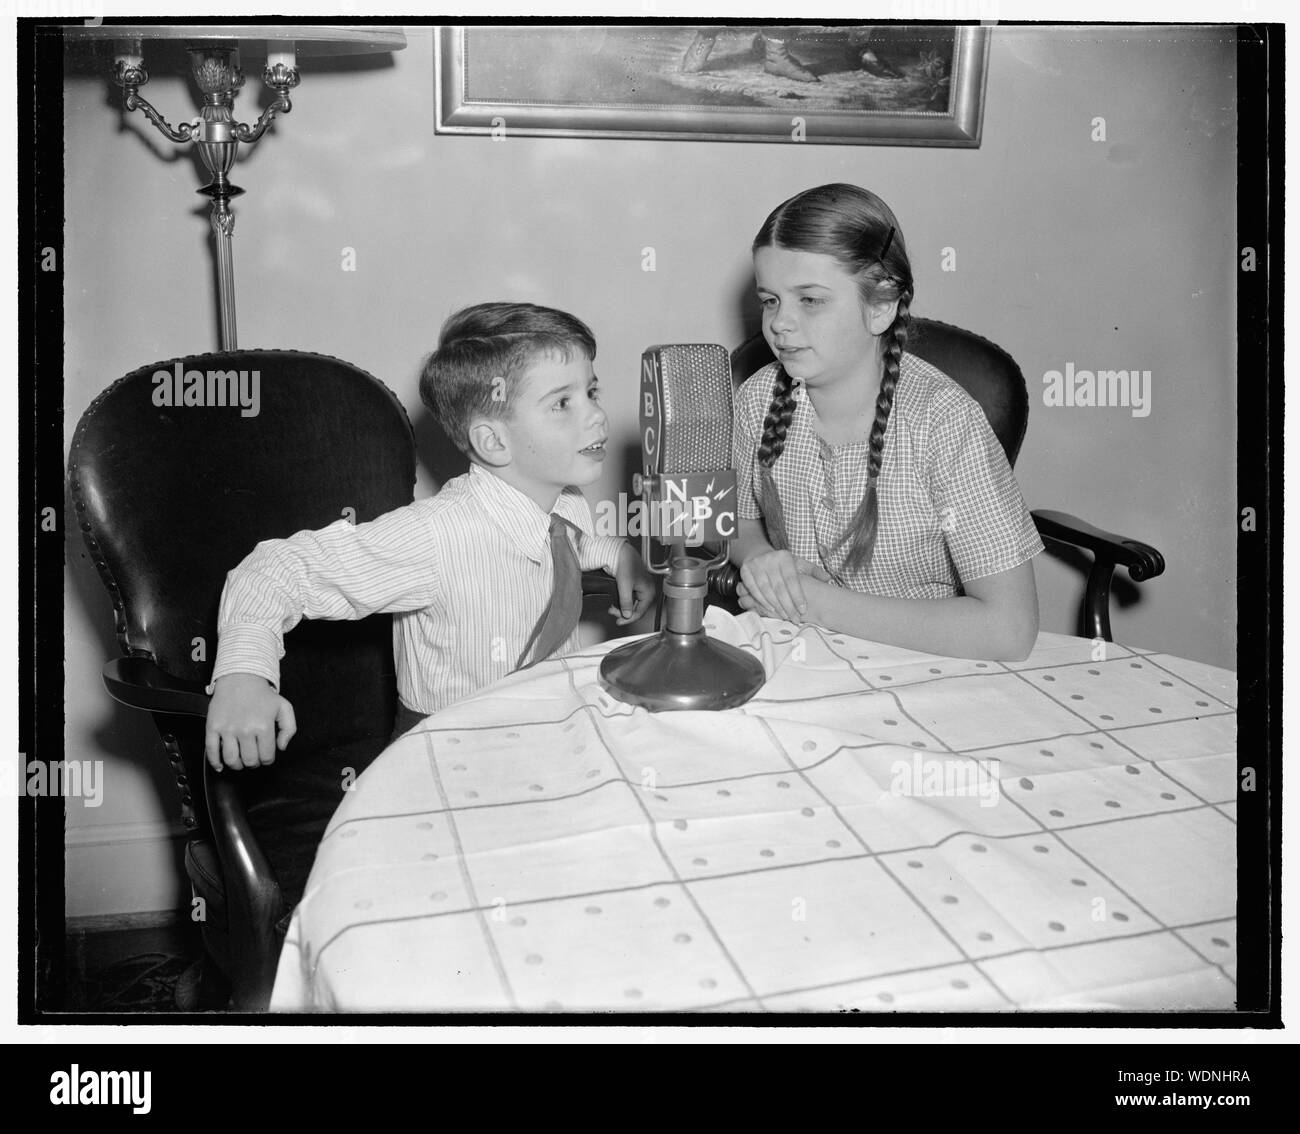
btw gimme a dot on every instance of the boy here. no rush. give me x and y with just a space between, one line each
470 573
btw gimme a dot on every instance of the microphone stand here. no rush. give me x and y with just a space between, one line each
681 667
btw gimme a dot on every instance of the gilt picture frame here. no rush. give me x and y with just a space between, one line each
844 84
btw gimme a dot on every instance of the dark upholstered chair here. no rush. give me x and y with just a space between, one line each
169 498
990 375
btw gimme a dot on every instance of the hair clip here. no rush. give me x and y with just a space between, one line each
884 251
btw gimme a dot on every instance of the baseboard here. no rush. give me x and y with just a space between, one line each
111 834
119 923
124 870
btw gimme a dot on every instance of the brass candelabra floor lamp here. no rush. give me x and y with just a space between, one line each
214 53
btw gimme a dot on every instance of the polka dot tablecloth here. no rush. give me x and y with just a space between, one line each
878 830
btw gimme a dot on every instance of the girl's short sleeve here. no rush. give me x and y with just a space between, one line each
980 509
747 426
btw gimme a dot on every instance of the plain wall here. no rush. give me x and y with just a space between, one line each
1114 254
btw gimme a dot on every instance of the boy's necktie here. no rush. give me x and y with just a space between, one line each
565 608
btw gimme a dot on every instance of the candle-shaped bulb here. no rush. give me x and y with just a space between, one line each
281 56
129 53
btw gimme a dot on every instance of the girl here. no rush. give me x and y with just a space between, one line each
874 497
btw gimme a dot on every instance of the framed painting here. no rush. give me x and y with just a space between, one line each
859 84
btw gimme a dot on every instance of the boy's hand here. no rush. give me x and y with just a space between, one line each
242 720
637 586
772 584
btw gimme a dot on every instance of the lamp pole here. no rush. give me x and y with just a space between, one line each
215 68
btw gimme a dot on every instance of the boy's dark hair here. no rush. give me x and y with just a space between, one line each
482 353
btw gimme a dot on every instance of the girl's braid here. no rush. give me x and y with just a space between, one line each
780 412
866 521
896 340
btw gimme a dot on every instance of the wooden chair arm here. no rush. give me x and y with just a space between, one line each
723 582
599 583
252 891
253 896
1109 550
140 683
1142 560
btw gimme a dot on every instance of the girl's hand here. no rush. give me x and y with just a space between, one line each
772 584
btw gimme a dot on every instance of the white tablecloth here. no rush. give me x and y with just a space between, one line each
878 829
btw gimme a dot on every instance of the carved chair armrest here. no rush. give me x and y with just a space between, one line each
142 684
253 893
251 888
1109 551
723 583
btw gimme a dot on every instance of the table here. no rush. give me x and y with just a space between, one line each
878 830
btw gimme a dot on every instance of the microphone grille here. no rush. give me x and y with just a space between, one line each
697 407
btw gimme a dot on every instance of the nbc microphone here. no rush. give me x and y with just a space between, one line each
688 489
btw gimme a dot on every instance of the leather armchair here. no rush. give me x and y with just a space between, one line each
170 497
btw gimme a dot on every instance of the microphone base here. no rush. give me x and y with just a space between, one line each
673 671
